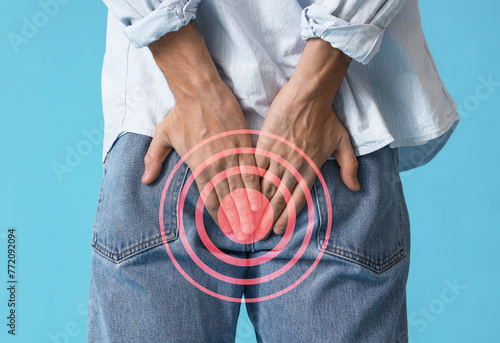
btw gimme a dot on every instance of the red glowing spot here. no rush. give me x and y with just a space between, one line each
262 218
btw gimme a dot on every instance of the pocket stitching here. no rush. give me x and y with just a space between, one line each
363 261
176 224
123 255
177 184
99 202
358 259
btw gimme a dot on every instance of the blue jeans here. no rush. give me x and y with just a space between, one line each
356 293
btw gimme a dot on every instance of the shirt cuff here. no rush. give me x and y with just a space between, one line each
165 18
359 41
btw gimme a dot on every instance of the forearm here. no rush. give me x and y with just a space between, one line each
205 107
320 71
186 63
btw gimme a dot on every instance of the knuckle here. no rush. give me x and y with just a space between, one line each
269 190
211 204
220 164
261 161
203 180
200 183
280 202
248 177
278 169
238 193
227 205
233 188
229 161
245 159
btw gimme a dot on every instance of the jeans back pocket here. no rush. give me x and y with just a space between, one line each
127 216
368 226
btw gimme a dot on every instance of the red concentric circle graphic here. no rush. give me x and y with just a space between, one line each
250 261
266 217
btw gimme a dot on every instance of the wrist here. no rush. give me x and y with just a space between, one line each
196 86
184 60
320 71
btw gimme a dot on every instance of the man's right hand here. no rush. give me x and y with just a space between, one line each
204 106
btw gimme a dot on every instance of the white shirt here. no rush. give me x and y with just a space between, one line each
391 94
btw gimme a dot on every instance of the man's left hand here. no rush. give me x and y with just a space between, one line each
302 113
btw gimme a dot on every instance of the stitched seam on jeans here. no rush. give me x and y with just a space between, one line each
172 233
169 201
321 229
117 257
127 250
378 267
395 155
320 219
175 226
99 201
120 257
362 260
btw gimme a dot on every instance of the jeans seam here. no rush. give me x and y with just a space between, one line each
320 215
99 201
395 154
361 260
175 205
119 257
171 201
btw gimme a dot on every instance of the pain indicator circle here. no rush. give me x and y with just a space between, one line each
266 218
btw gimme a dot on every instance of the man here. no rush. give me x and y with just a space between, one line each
345 95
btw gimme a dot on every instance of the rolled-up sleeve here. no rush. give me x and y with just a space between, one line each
145 21
354 26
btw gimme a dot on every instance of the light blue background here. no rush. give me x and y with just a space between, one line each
50 94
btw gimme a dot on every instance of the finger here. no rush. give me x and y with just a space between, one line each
224 222
212 205
268 188
281 198
262 226
299 201
158 150
250 180
245 214
344 154
263 163
227 209
261 160
228 203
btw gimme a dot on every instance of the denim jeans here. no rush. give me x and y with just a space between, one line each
356 291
